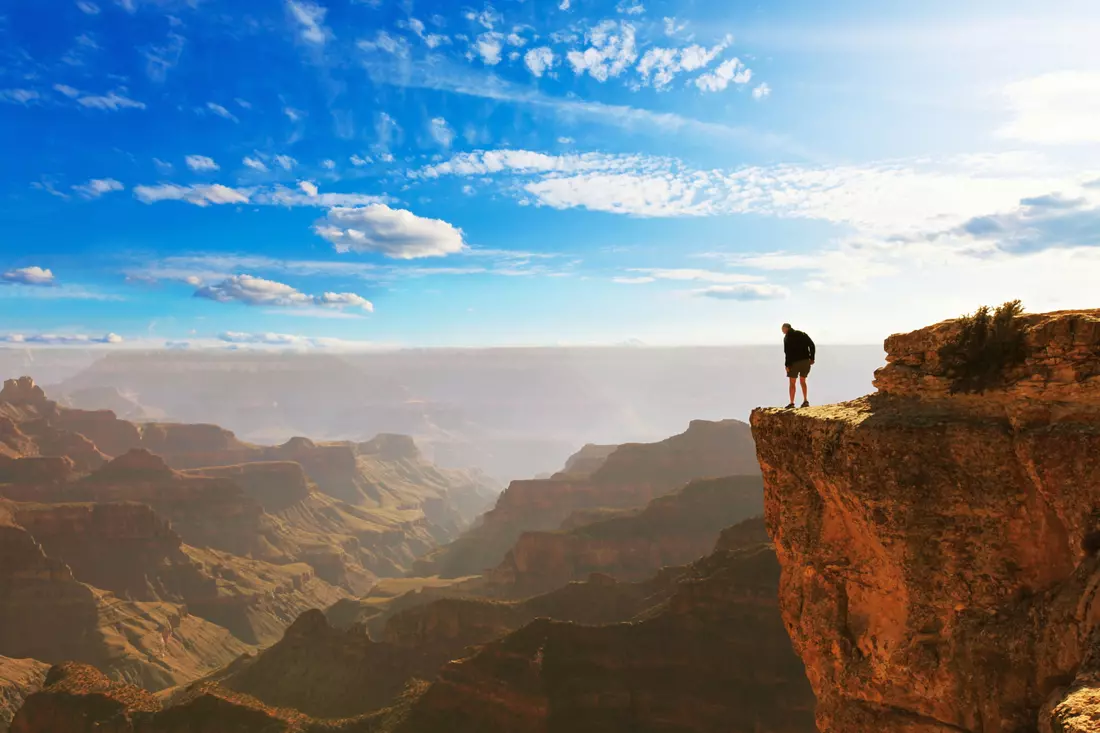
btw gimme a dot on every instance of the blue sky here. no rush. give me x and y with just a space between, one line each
344 174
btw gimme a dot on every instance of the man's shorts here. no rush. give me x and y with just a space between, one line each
799 369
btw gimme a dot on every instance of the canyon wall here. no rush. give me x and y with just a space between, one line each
939 547
626 478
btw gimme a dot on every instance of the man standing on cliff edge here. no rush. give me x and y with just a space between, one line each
799 352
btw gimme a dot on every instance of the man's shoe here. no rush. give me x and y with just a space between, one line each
789 407
805 403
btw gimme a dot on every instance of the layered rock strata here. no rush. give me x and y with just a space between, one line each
939 548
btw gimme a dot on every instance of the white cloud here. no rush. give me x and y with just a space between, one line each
745 291
383 41
431 40
328 164
488 18
889 197
566 140
88 7
258 291
200 163
60 339
611 51
159 60
563 5
672 27
630 7
488 47
643 280
663 64
515 39
309 187
685 274
113 101
19 96
96 187
162 165
221 111
310 18
294 341
282 196
254 163
540 60
359 161
395 233
1061 108
200 195
285 162
441 132
243 103
730 71
762 92
29 276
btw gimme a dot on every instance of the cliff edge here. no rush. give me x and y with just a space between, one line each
938 546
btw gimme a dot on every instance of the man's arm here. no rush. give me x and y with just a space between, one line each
813 348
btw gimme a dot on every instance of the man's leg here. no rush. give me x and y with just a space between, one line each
792 390
805 397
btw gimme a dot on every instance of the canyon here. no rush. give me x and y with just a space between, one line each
927 561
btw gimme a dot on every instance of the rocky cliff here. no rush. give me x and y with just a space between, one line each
712 658
939 546
18 679
47 614
629 477
671 530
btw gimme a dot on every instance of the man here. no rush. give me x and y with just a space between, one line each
799 352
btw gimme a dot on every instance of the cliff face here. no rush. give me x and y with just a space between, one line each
933 572
18 679
47 614
671 530
628 478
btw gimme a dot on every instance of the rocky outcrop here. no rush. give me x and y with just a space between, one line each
671 530
586 461
276 485
124 548
18 679
628 478
938 548
47 614
714 658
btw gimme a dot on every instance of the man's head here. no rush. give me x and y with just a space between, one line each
786 328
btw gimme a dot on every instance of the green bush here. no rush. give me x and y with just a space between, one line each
988 344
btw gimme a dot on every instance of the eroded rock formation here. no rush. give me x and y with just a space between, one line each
671 530
18 679
938 548
628 478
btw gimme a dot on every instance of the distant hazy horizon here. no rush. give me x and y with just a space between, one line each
513 412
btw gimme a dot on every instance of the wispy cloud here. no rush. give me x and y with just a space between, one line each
59 339
440 75
96 187
745 291
112 101
221 111
309 18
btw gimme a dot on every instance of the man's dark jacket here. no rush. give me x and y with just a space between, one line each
797 345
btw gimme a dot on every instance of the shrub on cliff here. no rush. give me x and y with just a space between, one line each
987 345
